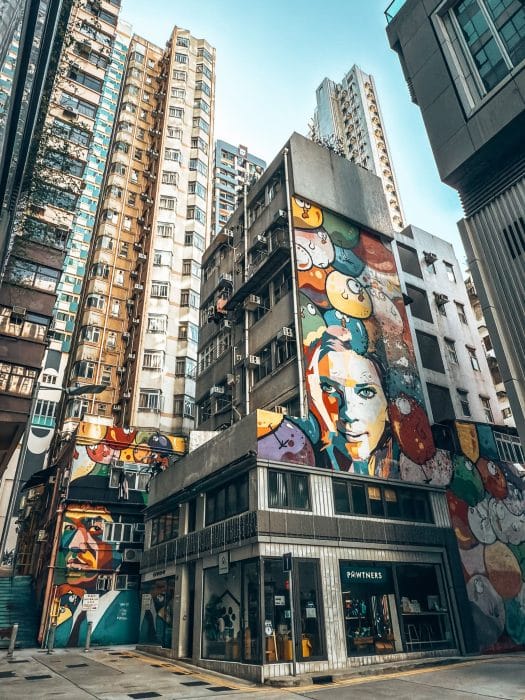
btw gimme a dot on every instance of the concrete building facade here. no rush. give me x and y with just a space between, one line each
465 60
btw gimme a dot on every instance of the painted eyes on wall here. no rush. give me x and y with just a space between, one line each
366 392
303 204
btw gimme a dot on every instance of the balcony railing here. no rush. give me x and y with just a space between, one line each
235 530
392 10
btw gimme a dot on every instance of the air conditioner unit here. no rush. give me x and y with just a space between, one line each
260 238
142 256
228 232
131 356
136 321
230 379
126 395
121 370
69 113
430 258
441 299
116 408
216 390
125 336
134 274
41 536
19 311
132 555
253 361
138 287
284 333
226 277
238 358
280 409
280 215
252 301
226 324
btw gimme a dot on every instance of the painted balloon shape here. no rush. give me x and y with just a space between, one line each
411 427
503 570
466 482
354 325
312 283
306 214
317 245
348 295
342 232
311 319
347 262
492 477
374 252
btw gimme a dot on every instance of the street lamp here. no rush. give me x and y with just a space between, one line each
67 391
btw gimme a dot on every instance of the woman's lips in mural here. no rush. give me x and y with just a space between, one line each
353 437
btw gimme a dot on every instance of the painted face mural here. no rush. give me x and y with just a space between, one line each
358 353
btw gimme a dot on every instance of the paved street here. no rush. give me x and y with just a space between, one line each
121 674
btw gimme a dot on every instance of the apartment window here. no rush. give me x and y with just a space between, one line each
288 490
54 197
201 123
48 378
204 53
117 532
419 306
115 308
139 154
449 269
180 75
84 369
105 377
506 413
153 359
178 93
189 331
160 258
160 290
464 402
286 349
184 406
68 132
493 33
77 408
75 104
150 400
146 96
63 163
282 284
202 104
487 410
440 403
181 58
195 187
460 308
90 334
191 267
409 260
176 112
28 274
185 367
16 379
99 270
172 154
450 346
164 527
189 298
196 213
228 500
95 301
203 68
44 414
157 324
123 249
165 230
473 359
174 132
89 81
509 448
169 178
430 353
167 203
111 340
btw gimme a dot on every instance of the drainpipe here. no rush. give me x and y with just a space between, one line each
246 312
295 292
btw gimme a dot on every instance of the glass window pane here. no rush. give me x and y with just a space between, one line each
299 491
341 499
359 499
310 596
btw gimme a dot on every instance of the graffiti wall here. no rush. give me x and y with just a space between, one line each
93 583
365 405
486 500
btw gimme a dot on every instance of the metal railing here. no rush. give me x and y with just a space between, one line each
392 10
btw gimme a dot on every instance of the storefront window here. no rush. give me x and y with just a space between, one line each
231 623
380 621
310 613
369 609
277 613
424 614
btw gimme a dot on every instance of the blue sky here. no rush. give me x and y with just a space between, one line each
272 55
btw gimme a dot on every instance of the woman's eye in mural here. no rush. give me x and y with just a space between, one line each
96 530
366 392
69 528
328 388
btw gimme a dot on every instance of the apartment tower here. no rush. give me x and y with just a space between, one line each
138 328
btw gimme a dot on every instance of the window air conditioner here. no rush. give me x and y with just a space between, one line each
116 407
284 333
252 301
132 555
216 390
441 299
226 324
253 361
19 311
126 395
280 409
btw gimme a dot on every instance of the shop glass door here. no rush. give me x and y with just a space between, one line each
309 613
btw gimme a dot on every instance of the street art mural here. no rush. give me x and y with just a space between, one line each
365 405
486 500
87 585
366 415
92 583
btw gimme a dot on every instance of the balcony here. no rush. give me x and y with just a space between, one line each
392 10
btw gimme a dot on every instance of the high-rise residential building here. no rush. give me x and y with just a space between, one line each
464 62
313 526
452 363
64 190
348 117
138 327
234 167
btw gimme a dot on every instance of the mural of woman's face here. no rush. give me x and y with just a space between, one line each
349 400
82 539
